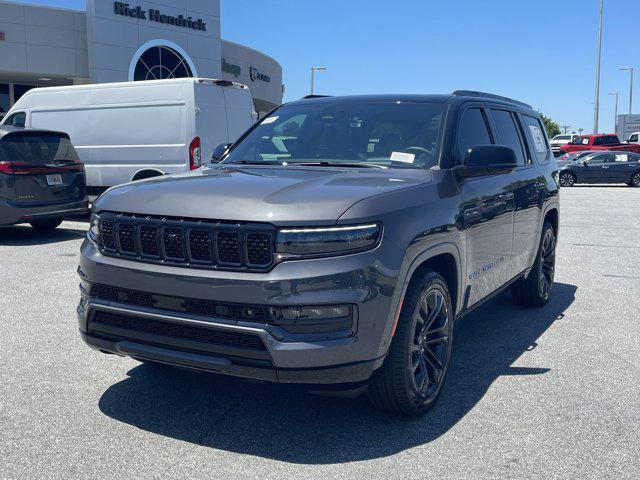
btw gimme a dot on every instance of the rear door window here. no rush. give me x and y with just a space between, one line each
473 132
536 137
36 149
508 133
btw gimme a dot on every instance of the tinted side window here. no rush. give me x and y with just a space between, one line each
508 133
473 132
602 158
536 138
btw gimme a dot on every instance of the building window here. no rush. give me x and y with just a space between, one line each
4 99
159 63
19 90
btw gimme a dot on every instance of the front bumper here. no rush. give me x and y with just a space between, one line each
310 359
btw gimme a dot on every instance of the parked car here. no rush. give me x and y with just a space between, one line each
133 130
603 167
41 178
634 138
573 156
334 244
599 142
560 140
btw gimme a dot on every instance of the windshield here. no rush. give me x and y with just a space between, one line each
395 135
562 137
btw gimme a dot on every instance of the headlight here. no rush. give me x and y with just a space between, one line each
325 241
94 228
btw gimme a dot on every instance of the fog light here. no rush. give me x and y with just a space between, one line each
314 319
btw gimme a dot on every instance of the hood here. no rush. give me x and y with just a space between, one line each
258 193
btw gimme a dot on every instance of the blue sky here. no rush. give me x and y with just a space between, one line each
542 52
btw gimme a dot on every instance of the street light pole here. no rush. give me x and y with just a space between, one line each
313 71
596 103
630 69
615 115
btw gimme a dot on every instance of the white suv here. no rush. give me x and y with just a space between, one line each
560 140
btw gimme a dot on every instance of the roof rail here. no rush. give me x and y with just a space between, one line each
471 93
315 96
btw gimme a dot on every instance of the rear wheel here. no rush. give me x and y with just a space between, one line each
635 180
45 225
535 290
567 179
413 373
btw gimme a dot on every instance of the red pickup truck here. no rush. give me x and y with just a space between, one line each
604 141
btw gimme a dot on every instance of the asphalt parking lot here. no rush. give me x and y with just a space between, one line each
548 393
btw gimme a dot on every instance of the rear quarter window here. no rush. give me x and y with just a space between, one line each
536 138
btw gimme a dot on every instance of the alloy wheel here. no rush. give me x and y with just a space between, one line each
547 262
635 179
431 343
566 179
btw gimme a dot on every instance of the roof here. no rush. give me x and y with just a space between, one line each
458 95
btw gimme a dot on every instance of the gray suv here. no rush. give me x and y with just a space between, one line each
333 246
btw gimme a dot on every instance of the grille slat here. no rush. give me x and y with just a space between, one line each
172 240
186 242
149 240
199 245
107 235
209 336
126 237
228 245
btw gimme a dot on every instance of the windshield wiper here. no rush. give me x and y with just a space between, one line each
252 162
325 163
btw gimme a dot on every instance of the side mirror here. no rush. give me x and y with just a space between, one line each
219 152
487 160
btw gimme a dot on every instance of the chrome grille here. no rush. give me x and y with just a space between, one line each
187 242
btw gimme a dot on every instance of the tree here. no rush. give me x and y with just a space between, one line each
553 128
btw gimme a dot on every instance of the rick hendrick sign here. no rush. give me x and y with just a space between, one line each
154 15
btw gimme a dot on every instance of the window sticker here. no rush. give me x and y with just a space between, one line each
538 138
402 157
270 120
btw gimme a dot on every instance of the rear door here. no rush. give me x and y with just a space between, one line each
239 111
623 165
43 167
210 118
596 168
526 181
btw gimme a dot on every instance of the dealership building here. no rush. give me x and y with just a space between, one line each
126 41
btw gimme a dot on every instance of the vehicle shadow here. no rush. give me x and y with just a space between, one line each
24 235
290 425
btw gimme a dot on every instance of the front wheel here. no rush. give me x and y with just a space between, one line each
45 225
635 180
535 290
411 378
567 179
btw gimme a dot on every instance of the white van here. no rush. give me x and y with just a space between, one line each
133 130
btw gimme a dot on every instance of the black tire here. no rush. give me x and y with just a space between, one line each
634 181
567 179
535 290
411 377
45 225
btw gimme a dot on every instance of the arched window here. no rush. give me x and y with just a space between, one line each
160 62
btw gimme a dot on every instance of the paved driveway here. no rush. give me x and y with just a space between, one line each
549 393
